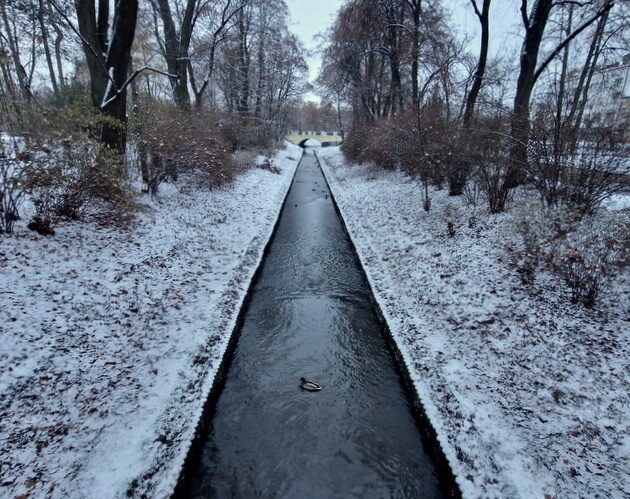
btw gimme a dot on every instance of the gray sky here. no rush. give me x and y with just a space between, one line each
312 17
308 19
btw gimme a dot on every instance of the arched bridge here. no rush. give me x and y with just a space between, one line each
325 138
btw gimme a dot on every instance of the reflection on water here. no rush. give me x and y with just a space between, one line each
310 315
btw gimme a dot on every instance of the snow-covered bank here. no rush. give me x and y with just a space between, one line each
529 394
110 340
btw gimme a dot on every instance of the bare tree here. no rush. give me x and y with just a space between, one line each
535 23
42 15
471 100
175 45
213 35
107 52
415 8
12 16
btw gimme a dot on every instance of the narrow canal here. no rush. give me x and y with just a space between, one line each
310 315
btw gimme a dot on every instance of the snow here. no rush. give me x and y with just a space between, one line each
111 338
110 81
618 202
528 393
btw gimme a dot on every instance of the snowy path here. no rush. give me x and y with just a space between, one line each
111 340
529 394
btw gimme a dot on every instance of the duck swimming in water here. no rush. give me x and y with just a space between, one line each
309 386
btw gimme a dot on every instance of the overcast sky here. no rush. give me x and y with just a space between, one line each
312 17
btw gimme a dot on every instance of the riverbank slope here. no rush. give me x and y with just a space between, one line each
111 338
527 392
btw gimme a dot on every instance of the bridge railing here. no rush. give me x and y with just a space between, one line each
316 133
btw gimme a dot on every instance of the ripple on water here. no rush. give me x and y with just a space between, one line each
311 315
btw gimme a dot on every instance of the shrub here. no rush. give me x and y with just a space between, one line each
171 141
588 258
354 142
383 146
579 172
268 165
12 191
585 252
491 178
472 191
582 278
489 149
423 145
527 259
71 173
242 132
459 166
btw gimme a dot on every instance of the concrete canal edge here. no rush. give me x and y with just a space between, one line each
216 385
430 437
434 446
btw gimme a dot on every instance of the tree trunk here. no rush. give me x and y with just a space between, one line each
559 128
141 144
243 61
260 85
394 17
58 54
118 60
534 30
581 95
396 93
49 61
199 92
176 49
109 68
22 77
7 75
339 122
471 100
416 11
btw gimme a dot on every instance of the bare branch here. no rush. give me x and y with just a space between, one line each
603 9
474 4
524 14
98 57
107 101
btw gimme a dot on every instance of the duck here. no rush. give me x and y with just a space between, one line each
309 386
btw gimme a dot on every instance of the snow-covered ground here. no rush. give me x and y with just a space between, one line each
528 393
110 339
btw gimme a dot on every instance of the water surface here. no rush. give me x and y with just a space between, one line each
310 315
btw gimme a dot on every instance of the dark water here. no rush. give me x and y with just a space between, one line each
310 315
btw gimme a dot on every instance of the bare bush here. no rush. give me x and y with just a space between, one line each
578 172
416 158
589 257
51 188
472 191
66 170
242 132
384 145
491 178
74 176
172 141
584 251
12 191
527 259
377 142
489 148
460 164
458 169
424 145
268 165
244 159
